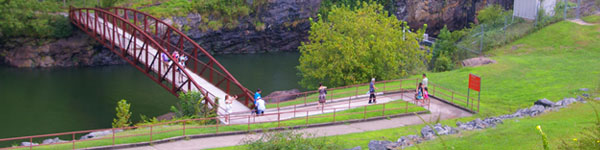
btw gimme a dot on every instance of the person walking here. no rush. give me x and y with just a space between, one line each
228 106
175 56
425 80
182 60
322 95
372 91
419 93
256 97
425 96
166 61
260 109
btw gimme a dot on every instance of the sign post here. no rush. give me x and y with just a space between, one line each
475 84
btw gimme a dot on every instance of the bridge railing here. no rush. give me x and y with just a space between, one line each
200 61
138 48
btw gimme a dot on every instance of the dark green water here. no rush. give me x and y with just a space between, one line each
41 101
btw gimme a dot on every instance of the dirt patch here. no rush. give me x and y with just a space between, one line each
581 22
477 61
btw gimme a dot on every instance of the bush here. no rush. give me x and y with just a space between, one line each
190 105
353 46
123 115
589 138
490 14
443 63
289 140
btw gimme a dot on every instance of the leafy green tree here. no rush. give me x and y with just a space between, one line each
32 18
490 14
355 45
123 115
444 52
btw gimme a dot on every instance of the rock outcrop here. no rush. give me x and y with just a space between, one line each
282 95
77 50
456 14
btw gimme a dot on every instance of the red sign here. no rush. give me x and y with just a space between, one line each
474 82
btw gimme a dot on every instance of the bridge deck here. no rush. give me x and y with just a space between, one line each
122 40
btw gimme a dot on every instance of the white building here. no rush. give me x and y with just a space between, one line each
528 8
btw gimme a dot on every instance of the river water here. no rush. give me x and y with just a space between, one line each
41 101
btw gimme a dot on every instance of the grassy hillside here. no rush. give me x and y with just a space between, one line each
552 63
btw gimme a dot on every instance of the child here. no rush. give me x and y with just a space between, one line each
425 95
260 107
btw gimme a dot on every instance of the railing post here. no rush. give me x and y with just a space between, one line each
295 110
333 114
151 133
184 128
248 123
31 143
217 131
73 141
383 112
305 95
384 86
406 107
113 138
306 122
356 92
278 119
365 112
349 101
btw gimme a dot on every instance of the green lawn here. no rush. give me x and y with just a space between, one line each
173 130
552 63
592 19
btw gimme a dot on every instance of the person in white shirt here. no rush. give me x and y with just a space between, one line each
261 106
424 81
228 105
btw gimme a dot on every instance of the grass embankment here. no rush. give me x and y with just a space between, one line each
552 63
347 92
173 130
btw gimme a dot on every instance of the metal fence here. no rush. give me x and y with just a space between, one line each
301 118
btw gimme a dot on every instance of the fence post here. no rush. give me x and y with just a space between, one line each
31 143
349 101
565 6
217 131
356 92
384 87
333 114
365 113
406 107
113 138
305 95
383 112
73 141
306 123
184 128
294 110
151 133
278 119
578 9
248 123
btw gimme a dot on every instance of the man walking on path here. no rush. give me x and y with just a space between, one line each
372 91
424 81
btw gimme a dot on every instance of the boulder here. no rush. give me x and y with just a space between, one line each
282 95
544 102
53 140
566 101
477 61
580 99
379 145
28 144
427 133
99 134
586 95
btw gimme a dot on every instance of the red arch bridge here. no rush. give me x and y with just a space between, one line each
140 38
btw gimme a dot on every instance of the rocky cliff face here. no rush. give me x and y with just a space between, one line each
284 25
456 14
77 50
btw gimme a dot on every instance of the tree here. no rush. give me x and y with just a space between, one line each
444 51
123 115
32 18
354 45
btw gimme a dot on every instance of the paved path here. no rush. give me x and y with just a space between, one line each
437 108
121 40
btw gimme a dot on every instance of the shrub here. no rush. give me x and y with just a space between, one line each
290 140
490 14
443 63
31 18
338 54
123 115
190 105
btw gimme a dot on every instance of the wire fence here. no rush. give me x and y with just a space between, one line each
484 37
